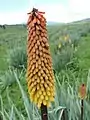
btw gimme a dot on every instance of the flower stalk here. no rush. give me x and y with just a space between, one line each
40 77
82 108
44 114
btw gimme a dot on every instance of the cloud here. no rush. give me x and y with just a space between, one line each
79 6
12 18
78 9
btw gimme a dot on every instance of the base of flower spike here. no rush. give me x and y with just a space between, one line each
44 113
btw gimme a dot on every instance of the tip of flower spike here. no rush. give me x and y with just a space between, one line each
83 84
36 10
33 11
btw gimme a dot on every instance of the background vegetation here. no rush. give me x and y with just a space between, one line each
70 50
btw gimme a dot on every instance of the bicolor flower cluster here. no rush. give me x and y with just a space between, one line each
40 77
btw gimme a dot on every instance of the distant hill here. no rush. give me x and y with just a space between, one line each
82 21
53 23
48 23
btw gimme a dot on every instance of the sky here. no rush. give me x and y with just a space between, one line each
15 11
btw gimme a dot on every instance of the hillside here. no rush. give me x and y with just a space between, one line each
82 21
70 51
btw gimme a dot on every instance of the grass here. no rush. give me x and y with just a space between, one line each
66 97
3 62
83 52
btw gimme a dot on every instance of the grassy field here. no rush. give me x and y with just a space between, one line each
70 50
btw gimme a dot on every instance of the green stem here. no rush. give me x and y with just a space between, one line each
44 114
64 115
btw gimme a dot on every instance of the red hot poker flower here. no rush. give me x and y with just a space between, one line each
82 91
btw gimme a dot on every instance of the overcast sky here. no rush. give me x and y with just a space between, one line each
15 11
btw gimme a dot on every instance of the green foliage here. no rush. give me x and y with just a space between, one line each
31 112
18 58
6 79
66 97
71 64
62 58
3 63
83 53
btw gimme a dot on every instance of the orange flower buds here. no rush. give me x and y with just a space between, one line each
40 77
82 91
